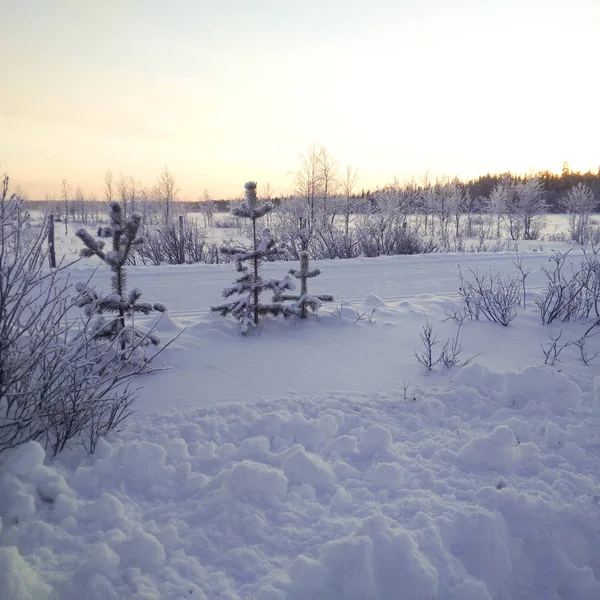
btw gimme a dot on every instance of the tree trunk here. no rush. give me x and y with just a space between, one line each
256 295
181 241
303 283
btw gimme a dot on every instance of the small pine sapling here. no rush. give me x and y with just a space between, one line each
124 234
304 300
250 285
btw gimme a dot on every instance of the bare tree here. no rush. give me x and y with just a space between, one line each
108 185
348 185
134 191
123 192
428 202
532 207
167 191
457 203
208 208
79 205
266 192
64 197
329 177
308 185
579 204
500 203
94 207
443 207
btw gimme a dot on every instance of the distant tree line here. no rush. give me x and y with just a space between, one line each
555 187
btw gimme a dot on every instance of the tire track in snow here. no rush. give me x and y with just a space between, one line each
393 279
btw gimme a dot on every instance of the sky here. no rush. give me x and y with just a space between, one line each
226 91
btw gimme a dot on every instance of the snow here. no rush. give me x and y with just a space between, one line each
317 459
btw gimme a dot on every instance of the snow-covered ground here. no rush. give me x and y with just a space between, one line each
317 459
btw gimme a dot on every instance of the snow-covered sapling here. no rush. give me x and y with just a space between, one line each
305 300
250 285
124 234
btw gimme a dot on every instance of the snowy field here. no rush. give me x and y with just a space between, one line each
318 460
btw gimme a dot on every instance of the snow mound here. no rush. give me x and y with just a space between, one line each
373 301
494 451
483 488
19 580
26 459
535 386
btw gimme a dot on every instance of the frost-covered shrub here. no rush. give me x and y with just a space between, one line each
225 223
379 235
579 204
572 291
55 384
124 235
175 242
493 296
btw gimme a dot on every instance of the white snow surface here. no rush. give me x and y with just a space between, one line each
317 459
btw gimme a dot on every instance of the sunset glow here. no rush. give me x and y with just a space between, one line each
223 92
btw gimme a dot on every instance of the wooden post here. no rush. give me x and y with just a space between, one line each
181 242
51 248
303 282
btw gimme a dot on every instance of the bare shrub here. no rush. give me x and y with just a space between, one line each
386 236
493 296
573 291
553 348
228 223
429 340
450 353
525 272
581 343
56 382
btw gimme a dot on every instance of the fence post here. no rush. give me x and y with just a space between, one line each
181 241
51 248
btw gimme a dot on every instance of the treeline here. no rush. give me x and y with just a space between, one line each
555 187
127 190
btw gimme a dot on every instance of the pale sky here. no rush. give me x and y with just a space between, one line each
225 91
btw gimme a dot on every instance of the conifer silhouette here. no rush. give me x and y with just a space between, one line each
250 285
124 234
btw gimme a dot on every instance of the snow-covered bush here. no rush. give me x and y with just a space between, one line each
493 296
579 204
54 382
379 235
531 206
124 234
250 285
175 242
573 294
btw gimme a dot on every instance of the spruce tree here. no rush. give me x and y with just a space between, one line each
250 285
304 300
124 234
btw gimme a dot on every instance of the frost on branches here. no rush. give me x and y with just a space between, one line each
123 304
304 300
250 285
